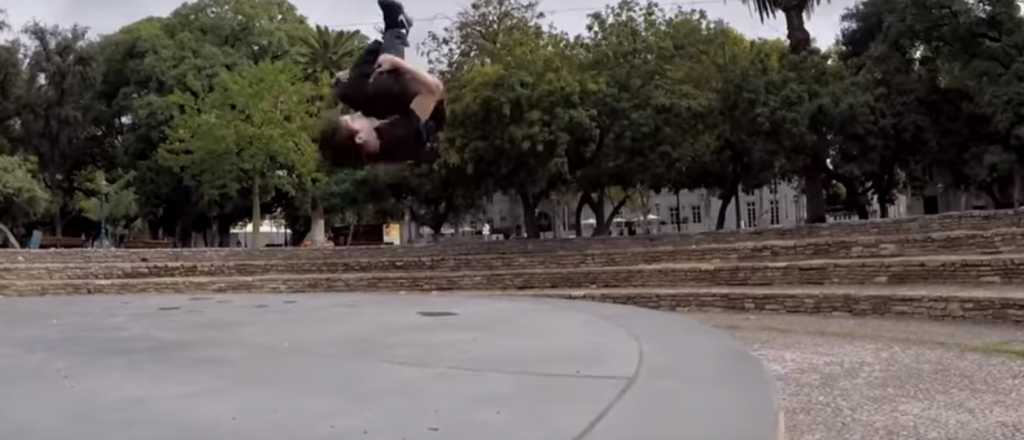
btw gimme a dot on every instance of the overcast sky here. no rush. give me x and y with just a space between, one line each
106 16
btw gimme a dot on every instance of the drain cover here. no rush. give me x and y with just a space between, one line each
437 314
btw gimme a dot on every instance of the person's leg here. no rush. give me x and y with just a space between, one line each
352 87
394 15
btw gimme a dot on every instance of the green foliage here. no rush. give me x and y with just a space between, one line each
481 33
362 195
439 193
325 52
513 119
147 62
113 204
11 83
252 129
946 84
23 197
255 31
794 11
58 109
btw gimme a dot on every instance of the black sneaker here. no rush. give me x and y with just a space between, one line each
394 15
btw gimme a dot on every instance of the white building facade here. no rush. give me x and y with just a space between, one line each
777 205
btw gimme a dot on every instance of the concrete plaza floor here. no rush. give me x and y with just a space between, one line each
370 367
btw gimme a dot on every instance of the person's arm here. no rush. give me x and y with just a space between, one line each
429 89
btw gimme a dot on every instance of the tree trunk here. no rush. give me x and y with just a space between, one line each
257 218
618 209
739 208
814 190
318 225
997 199
530 216
10 237
854 200
352 231
224 233
1018 181
58 223
723 211
883 206
603 228
579 214
679 213
799 37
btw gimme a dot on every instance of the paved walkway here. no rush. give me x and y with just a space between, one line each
384 367
868 378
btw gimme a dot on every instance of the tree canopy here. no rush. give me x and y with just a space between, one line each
192 123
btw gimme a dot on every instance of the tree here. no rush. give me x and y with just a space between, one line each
481 33
439 193
11 82
58 109
362 195
186 52
744 78
111 204
256 120
515 102
794 12
23 197
256 31
512 120
799 43
324 52
622 70
944 77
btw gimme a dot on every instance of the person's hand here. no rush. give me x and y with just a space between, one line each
386 63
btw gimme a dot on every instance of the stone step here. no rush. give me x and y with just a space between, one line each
993 225
964 270
922 301
301 262
942 302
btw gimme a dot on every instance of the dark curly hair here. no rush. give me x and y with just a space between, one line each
338 144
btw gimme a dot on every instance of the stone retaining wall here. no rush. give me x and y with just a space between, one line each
1008 241
727 265
895 230
919 306
966 271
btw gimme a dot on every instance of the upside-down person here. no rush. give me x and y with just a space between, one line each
398 107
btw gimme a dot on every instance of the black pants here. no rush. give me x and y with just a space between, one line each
388 94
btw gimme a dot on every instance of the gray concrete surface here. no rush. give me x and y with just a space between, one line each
879 378
373 367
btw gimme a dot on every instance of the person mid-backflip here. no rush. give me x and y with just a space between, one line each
398 107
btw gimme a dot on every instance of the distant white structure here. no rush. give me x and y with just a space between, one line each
776 205
273 233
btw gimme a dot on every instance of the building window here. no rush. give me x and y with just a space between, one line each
673 214
751 215
696 215
749 191
775 212
773 189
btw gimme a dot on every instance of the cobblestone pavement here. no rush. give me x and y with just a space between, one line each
882 379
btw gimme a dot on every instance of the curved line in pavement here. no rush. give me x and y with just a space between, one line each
505 372
625 389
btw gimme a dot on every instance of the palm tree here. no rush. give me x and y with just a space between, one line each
325 52
799 43
794 11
